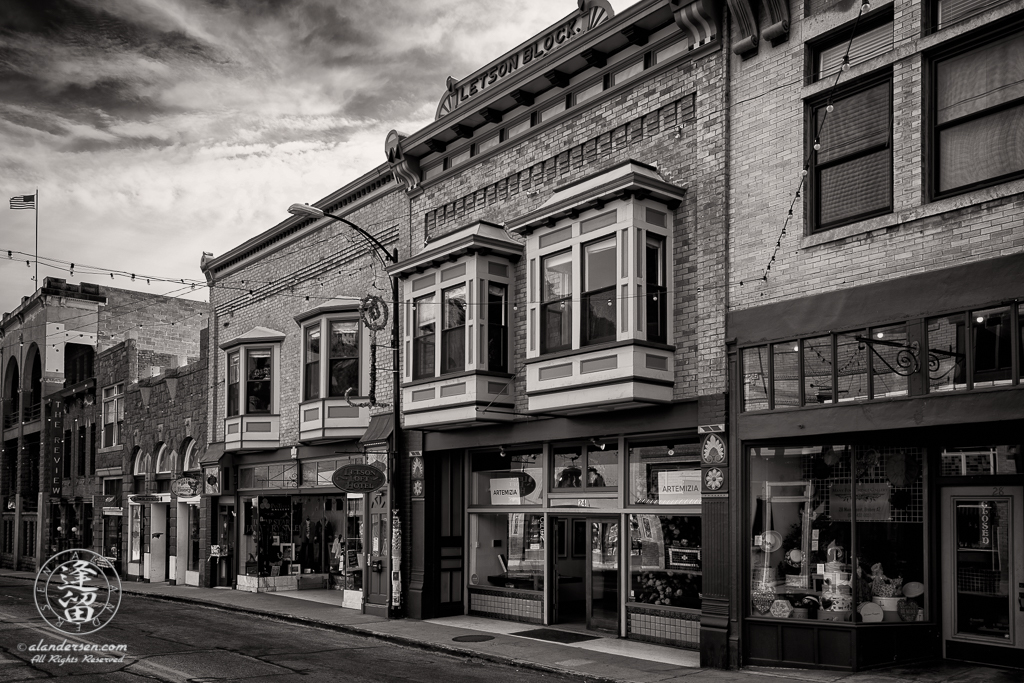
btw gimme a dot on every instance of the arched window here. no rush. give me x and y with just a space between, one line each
142 463
163 460
35 376
12 383
191 451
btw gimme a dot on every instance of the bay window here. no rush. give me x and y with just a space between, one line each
311 374
424 314
656 313
556 302
497 327
259 378
599 299
232 393
252 392
344 361
453 330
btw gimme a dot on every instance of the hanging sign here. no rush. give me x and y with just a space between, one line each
872 503
185 487
358 478
145 498
680 487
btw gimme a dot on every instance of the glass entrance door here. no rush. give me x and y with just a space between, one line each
602 579
983 573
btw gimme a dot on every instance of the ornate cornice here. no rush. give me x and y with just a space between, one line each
405 168
747 38
778 13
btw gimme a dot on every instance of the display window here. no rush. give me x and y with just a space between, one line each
665 560
507 550
507 477
664 472
593 466
817 554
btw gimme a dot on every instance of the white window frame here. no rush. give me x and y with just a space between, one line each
190 462
243 351
323 323
630 230
113 396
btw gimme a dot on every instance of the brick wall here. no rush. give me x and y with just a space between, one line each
768 145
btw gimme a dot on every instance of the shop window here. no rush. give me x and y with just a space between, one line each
889 361
851 174
979 116
851 367
311 365
664 473
497 327
665 560
599 296
453 330
113 415
507 550
756 378
424 320
808 559
786 374
232 383
556 302
593 467
283 476
656 313
947 358
135 533
320 472
507 477
992 347
874 37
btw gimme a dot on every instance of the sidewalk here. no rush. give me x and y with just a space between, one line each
592 660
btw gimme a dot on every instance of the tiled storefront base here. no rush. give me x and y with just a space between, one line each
666 626
509 605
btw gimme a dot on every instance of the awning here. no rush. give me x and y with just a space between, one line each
379 430
213 454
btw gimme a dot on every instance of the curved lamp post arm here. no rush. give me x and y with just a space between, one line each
314 212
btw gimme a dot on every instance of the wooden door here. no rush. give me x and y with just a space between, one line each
450 536
377 578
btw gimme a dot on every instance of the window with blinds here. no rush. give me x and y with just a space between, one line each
864 46
851 174
979 116
949 12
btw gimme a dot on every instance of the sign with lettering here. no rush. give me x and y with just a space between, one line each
679 487
145 498
56 452
592 14
872 503
505 491
185 487
358 478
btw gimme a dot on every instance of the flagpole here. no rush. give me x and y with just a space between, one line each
37 238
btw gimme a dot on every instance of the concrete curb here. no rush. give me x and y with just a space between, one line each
405 641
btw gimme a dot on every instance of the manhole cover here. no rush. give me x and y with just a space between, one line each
472 639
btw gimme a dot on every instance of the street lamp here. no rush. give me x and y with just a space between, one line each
396 390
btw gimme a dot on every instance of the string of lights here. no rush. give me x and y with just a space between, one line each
816 146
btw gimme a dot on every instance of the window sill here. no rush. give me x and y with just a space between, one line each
554 355
110 449
905 217
456 375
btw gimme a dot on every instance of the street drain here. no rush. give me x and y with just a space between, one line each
472 639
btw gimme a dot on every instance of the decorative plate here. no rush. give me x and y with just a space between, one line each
771 542
781 609
763 598
907 609
713 450
713 479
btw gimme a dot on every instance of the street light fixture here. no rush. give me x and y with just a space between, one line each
385 256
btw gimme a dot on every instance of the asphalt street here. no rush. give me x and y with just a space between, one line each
178 642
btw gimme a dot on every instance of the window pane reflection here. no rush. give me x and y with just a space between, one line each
818 370
889 361
755 378
787 374
947 369
851 359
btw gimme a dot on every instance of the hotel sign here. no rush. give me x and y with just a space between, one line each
592 13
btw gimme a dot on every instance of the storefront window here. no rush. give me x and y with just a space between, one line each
851 367
786 368
592 466
755 378
664 473
665 560
818 371
890 363
135 533
320 472
807 559
947 367
511 478
282 476
507 550
193 538
992 347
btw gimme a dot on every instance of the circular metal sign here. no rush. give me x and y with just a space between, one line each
185 487
74 595
358 478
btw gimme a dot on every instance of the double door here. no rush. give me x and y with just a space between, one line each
983 574
584 561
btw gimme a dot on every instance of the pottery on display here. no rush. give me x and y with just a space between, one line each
870 612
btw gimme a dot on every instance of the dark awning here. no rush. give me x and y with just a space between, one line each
380 429
212 455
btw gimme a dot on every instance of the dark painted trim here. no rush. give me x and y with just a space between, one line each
936 410
568 353
462 404
960 288
456 375
632 379
673 417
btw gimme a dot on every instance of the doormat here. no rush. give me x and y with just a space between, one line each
555 636
472 639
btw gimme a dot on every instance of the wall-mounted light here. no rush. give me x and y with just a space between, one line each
595 442
295 452
501 451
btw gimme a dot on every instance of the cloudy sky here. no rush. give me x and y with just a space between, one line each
155 130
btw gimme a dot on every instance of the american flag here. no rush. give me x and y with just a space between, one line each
25 201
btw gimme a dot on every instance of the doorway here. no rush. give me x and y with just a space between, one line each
983 574
584 561
158 543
